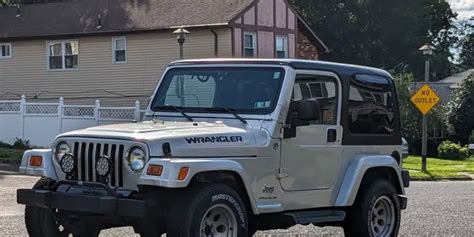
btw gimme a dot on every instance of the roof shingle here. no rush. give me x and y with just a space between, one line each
82 16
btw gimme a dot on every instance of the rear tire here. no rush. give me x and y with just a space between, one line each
208 210
376 211
41 222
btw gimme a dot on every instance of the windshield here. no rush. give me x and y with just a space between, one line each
248 90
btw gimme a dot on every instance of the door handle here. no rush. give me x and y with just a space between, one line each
331 135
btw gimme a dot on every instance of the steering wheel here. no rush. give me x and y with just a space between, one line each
202 78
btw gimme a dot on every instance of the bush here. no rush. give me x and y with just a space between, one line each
453 151
10 155
5 145
472 137
21 144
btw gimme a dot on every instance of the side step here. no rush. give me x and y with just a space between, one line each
322 216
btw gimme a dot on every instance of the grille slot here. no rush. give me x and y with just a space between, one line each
120 165
82 173
113 156
87 155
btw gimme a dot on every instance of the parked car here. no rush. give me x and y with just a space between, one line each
230 147
405 152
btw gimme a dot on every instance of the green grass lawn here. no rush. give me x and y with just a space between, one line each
10 155
439 169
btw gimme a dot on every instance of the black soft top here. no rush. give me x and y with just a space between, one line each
339 68
345 72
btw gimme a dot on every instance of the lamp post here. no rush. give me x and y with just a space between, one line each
427 51
181 37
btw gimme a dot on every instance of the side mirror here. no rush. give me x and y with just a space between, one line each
309 110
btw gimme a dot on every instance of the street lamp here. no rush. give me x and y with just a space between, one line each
427 51
181 37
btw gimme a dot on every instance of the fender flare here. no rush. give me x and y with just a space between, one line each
171 167
355 173
45 170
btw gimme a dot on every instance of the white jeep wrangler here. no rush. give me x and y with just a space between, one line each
229 147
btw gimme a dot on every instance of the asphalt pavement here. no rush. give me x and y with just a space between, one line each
434 209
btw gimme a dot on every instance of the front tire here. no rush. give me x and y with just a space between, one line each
41 222
376 211
209 210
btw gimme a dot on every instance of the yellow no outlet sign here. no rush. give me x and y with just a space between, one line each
425 99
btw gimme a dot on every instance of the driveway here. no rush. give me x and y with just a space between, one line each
434 209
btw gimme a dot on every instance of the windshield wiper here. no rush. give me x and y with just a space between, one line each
231 111
178 109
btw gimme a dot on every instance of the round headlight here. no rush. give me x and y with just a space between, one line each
61 149
136 158
68 164
103 166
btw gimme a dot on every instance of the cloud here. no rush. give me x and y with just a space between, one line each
464 8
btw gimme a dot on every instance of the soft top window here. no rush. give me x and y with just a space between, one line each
371 109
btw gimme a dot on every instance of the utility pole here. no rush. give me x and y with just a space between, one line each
427 52
424 146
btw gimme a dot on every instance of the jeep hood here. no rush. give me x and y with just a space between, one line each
187 139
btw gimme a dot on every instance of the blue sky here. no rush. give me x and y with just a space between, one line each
464 8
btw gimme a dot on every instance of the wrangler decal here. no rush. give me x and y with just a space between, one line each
218 139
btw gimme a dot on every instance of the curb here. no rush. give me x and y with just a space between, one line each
9 166
443 179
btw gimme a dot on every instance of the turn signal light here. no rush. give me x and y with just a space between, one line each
36 160
155 170
183 172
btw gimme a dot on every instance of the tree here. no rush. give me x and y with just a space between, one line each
461 111
4 3
410 117
467 52
466 45
383 33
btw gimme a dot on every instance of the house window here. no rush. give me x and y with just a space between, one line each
119 49
5 50
281 47
250 44
63 55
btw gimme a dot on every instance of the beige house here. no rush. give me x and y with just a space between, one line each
116 50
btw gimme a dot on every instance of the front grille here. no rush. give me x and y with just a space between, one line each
87 154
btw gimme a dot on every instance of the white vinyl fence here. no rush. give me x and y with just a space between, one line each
40 123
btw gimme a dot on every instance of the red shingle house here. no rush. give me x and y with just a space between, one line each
116 50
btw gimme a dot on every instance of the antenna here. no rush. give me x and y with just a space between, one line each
99 21
18 13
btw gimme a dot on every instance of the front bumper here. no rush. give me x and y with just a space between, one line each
406 178
87 198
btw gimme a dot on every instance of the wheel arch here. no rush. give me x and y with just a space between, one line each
367 168
229 172
47 166
230 178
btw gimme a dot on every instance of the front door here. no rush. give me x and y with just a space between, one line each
310 158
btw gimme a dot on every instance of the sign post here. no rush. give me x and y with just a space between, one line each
425 99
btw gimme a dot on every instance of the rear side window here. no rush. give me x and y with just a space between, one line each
371 105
